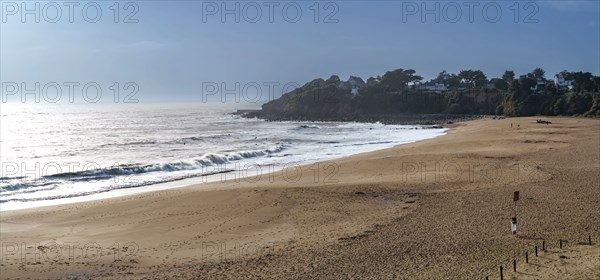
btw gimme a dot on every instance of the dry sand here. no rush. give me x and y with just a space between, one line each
436 209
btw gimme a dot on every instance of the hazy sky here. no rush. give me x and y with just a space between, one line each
176 47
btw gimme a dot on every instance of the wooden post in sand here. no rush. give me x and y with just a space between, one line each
514 265
590 240
536 250
513 225
501 273
544 245
526 257
560 243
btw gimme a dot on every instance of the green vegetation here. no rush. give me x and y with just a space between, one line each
468 92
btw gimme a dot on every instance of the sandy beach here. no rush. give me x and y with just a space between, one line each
435 209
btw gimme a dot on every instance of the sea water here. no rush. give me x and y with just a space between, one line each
54 154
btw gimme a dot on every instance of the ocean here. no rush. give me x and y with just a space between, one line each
56 154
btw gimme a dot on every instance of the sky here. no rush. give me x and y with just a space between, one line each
180 51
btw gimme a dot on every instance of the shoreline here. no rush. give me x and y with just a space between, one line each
403 219
197 181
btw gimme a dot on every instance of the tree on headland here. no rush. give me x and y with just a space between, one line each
334 79
441 77
473 78
372 81
399 79
597 83
550 88
450 80
527 84
538 73
515 87
500 84
582 81
453 81
508 76
566 74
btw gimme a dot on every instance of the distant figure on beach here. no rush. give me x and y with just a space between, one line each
543 122
511 125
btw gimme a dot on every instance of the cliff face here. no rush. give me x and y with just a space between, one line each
316 100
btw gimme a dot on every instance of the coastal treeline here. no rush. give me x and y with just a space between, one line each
403 91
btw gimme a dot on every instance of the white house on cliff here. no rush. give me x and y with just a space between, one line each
559 81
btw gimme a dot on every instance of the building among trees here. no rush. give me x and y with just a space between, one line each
561 82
